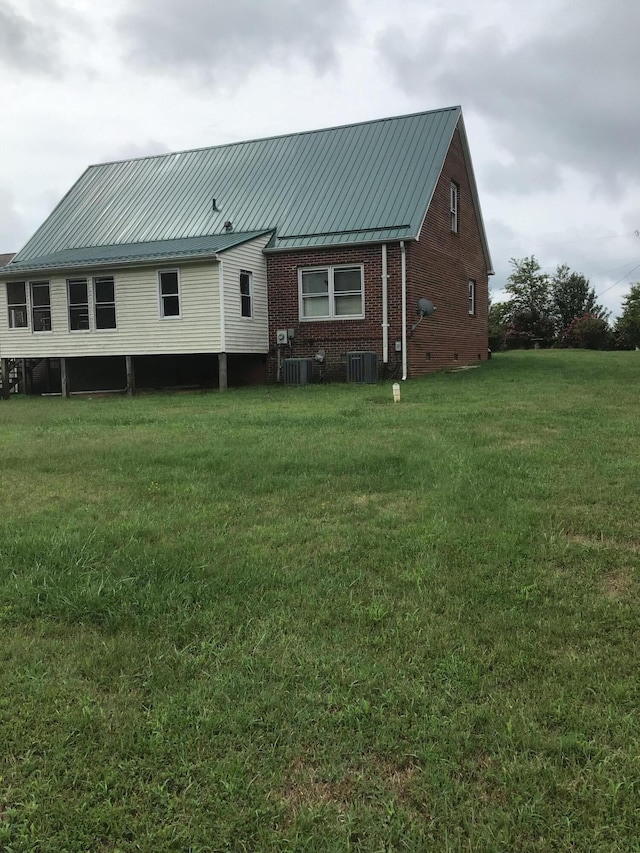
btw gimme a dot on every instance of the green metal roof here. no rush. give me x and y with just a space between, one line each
133 253
354 184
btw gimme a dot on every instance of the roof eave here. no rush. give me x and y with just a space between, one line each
7 272
459 125
353 244
475 195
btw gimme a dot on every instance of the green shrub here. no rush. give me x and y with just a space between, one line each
587 332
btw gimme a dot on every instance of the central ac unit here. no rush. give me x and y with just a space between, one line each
362 367
297 371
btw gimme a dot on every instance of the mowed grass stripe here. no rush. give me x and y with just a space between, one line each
310 619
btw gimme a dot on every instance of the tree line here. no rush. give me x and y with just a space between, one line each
559 310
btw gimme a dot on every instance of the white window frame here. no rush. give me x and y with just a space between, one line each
331 316
454 203
472 297
161 298
17 305
35 331
95 305
248 296
77 305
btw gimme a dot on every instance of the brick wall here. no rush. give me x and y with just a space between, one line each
439 266
336 337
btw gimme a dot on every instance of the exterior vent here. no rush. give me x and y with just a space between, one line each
298 371
362 367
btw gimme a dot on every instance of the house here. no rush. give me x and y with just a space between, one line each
219 265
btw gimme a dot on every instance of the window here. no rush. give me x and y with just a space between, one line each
246 294
169 294
40 306
78 299
104 302
17 304
455 193
472 297
331 293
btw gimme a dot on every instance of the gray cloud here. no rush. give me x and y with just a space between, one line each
25 45
532 171
607 261
222 42
564 94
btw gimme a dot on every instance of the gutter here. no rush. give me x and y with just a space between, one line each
223 329
385 306
27 272
335 245
403 253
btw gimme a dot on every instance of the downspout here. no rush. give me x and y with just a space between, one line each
385 307
403 254
223 331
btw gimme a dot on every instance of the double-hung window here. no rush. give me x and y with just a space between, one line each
40 306
472 297
78 300
104 302
17 304
455 197
80 310
169 284
331 293
246 294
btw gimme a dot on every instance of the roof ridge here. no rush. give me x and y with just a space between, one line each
457 107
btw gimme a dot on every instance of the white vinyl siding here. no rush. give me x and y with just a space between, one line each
140 330
244 334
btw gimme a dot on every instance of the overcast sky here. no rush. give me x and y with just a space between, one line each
549 92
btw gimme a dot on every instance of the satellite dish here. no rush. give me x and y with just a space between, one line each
425 307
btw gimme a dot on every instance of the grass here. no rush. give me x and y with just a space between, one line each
313 620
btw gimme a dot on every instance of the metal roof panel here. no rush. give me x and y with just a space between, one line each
152 251
333 185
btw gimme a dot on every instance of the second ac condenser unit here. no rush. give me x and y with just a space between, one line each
362 367
297 371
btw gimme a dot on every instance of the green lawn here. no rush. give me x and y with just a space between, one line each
285 619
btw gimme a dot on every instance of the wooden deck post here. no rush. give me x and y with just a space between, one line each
222 371
131 375
64 380
5 378
23 375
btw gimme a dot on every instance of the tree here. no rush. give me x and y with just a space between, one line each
529 308
571 298
528 327
627 328
498 320
529 287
